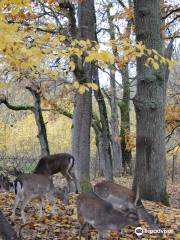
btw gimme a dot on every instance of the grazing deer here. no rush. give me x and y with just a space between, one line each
29 186
62 162
5 183
101 215
122 199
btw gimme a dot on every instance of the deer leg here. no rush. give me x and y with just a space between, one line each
16 203
41 207
69 178
102 234
24 204
75 181
52 201
82 227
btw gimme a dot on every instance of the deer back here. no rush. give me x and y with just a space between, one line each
34 184
120 197
123 198
54 163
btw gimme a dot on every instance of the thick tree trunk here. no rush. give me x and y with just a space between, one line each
83 102
115 136
150 169
125 119
42 135
81 138
6 230
104 136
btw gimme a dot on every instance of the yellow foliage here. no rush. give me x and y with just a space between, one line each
20 54
82 89
72 66
130 140
172 116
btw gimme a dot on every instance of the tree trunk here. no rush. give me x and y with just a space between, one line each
83 102
98 134
104 136
115 136
6 230
42 135
150 169
125 119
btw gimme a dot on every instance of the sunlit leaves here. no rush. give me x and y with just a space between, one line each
84 87
26 47
64 224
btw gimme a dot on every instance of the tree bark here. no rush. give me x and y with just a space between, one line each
104 135
115 131
83 102
100 163
125 119
150 169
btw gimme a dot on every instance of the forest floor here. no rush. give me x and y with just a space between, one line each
64 225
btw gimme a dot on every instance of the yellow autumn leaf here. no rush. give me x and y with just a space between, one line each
76 84
178 236
155 65
149 51
82 89
3 85
177 149
72 66
92 85
156 57
91 57
162 217
62 38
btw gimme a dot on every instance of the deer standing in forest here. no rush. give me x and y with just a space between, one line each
122 199
102 216
29 186
52 164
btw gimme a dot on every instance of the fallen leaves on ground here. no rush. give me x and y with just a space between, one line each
64 225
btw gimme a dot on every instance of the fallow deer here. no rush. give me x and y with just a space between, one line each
29 186
52 164
101 215
122 199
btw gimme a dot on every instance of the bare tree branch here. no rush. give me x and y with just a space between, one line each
171 12
168 137
3 100
121 3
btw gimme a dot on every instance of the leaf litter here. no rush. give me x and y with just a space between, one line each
64 224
